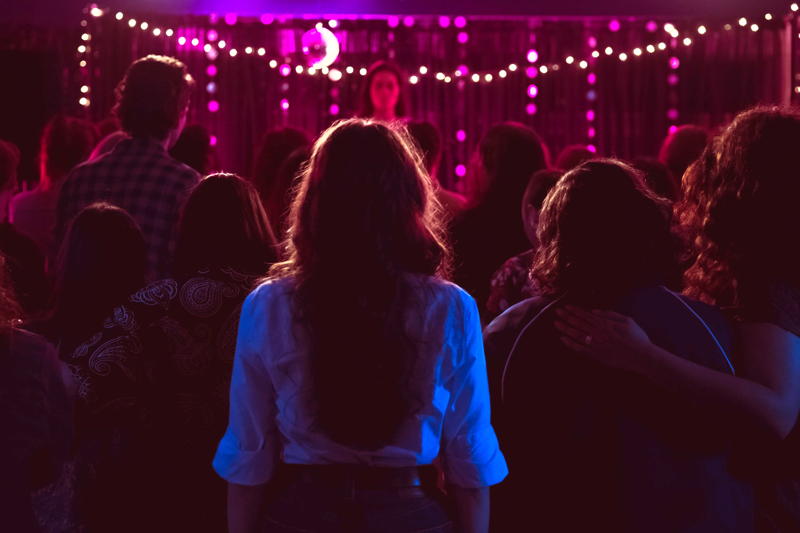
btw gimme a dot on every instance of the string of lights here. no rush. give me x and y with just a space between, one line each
215 46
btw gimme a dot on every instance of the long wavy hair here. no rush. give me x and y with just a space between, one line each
603 232
740 204
364 216
224 225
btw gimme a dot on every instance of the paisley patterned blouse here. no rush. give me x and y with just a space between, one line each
153 403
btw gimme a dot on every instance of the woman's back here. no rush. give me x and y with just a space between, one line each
646 460
443 323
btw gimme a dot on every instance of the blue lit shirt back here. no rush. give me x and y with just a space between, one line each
270 415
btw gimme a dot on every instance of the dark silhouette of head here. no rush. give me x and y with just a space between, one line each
429 141
572 156
539 186
603 232
101 262
507 157
194 148
153 97
276 146
364 219
682 147
223 225
658 177
383 90
739 206
65 143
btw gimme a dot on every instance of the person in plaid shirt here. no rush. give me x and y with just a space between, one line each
139 175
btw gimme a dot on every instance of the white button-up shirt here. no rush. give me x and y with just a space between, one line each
270 414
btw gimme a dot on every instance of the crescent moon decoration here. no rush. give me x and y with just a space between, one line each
322 41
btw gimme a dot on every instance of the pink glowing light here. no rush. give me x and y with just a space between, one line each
590 115
334 109
444 21
460 22
591 132
285 70
592 42
285 104
461 171
531 72
463 69
592 148
230 19
213 106
533 90
672 79
672 129
393 21
463 37
652 26
531 109
672 114
461 136
591 78
212 35
212 140
211 70
614 25
266 19
674 63
533 56
408 21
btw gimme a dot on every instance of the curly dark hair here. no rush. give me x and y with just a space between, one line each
602 232
739 204
363 218
366 109
152 96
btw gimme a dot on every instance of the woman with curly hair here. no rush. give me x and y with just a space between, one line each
356 364
739 204
602 441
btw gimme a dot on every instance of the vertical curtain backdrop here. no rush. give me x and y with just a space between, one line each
632 103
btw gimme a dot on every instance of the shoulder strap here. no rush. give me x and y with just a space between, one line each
705 325
517 341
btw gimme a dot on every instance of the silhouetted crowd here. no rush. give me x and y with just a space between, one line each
339 343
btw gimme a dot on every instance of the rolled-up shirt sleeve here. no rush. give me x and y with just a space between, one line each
472 456
250 449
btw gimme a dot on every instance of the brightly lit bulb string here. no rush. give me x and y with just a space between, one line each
221 47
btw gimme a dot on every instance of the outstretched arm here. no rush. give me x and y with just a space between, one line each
767 390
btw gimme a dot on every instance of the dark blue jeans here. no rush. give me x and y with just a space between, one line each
304 506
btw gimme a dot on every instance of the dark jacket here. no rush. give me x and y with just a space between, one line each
593 448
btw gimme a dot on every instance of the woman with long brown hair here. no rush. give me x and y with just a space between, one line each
357 365
383 94
739 205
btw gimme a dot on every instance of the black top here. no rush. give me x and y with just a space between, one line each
593 448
